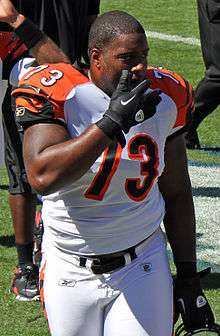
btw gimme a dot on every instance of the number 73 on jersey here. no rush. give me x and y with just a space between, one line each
140 148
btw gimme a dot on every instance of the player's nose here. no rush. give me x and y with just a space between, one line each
139 71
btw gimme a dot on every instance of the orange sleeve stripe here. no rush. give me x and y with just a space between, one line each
22 101
41 278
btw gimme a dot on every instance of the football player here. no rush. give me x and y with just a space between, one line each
108 155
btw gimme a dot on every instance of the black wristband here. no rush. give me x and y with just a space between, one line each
186 269
29 33
108 126
111 129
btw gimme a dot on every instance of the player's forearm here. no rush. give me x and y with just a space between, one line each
46 51
40 45
15 20
58 164
175 187
180 227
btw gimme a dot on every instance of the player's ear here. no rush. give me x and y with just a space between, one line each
95 57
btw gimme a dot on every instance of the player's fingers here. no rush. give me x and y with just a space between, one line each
153 97
141 88
124 81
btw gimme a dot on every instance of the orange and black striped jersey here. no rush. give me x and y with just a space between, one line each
120 189
11 48
10 45
48 83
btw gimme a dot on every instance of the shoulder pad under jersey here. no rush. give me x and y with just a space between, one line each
44 89
177 88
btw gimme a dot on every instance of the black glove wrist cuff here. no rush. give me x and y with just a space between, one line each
109 127
186 269
29 33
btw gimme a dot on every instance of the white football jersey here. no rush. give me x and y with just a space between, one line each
117 203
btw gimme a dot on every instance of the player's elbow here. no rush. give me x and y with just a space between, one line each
39 184
40 180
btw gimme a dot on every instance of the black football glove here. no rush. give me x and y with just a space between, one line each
181 331
128 108
191 302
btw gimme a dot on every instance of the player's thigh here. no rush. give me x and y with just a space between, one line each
145 305
70 305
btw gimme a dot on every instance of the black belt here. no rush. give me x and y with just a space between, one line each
109 262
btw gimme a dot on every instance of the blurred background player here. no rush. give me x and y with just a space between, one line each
22 200
207 96
66 22
59 19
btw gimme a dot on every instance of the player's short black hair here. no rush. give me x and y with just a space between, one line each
110 25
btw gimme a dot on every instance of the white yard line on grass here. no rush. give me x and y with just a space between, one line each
206 195
206 191
175 38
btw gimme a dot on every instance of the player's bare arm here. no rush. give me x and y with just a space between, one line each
54 159
176 189
8 13
45 50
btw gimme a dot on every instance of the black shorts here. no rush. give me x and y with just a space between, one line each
13 148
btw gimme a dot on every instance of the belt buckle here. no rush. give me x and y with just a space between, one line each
102 265
115 263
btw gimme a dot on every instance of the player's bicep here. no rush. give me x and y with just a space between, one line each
38 139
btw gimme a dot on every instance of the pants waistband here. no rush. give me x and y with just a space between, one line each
107 263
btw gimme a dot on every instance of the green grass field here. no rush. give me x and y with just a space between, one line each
173 17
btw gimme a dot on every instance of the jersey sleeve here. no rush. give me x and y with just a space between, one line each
179 90
11 49
43 91
19 69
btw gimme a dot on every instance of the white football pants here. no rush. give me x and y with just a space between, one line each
135 300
